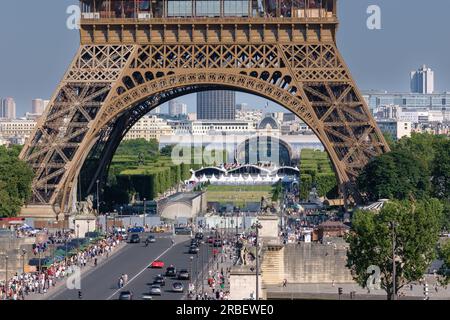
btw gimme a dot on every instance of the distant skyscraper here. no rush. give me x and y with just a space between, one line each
157 110
177 108
8 109
422 80
241 107
216 105
37 106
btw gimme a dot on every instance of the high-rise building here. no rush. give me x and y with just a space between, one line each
177 108
216 105
156 111
37 106
241 106
422 80
8 109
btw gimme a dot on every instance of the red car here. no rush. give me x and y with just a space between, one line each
157 264
210 239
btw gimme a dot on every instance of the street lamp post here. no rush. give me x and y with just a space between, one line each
203 269
143 222
24 252
65 248
191 259
89 230
6 271
78 237
257 226
393 225
98 199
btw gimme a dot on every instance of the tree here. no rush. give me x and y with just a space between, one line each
389 139
277 191
441 171
444 255
416 235
15 182
305 186
395 175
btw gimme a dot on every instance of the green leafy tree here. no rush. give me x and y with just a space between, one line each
395 175
306 182
370 242
277 191
15 182
441 171
444 255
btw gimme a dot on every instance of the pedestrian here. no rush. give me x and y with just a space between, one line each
284 283
95 261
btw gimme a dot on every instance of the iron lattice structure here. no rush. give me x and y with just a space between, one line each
125 67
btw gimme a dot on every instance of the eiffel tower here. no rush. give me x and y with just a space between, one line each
135 55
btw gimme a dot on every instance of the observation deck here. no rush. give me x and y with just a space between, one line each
207 21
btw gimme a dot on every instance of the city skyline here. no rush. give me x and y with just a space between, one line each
376 57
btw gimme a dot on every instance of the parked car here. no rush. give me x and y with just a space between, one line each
217 243
134 238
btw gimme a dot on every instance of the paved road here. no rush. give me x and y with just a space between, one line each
134 259
180 258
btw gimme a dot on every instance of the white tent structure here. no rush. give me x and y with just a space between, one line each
193 178
249 180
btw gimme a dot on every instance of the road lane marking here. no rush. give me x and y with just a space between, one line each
140 272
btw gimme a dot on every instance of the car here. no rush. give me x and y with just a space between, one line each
217 243
126 295
147 296
210 239
136 230
157 264
155 290
151 239
178 287
171 271
134 238
199 236
194 249
160 280
183 275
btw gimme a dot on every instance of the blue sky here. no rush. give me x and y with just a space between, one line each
36 47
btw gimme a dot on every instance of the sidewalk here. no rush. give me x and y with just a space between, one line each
328 291
90 267
215 267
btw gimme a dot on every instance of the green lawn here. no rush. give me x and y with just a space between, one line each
237 194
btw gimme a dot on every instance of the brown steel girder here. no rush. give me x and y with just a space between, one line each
311 80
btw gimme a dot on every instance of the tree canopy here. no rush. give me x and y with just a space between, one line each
417 167
416 231
15 181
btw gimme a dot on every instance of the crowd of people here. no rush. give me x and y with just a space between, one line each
218 278
21 286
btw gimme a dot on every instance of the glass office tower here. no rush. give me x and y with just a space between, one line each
216 105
